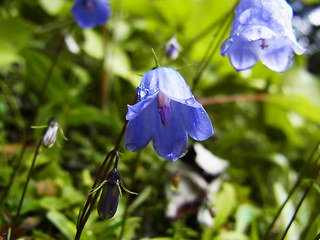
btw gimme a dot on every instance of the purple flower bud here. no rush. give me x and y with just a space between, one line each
262 30
50 136
91 13
172 48
109 199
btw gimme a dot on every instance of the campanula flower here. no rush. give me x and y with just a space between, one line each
91 13
166 112
173 48
262 29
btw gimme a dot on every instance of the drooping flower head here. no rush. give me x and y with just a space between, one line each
166 112
91 13
262 29
173 48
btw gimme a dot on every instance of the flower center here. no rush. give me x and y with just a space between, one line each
164 108
263 44
89 5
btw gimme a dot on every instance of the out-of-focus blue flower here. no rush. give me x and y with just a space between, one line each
262 29
91 13
166 112
172 48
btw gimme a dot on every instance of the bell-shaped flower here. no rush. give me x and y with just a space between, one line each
166 112
262 30
91 13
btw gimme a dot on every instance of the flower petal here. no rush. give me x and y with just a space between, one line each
196 121
278 56
226 46
171 141
136 109
139 130
244 54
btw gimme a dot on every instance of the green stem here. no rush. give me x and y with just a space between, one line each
156 60
300 202
14 173
26 184
133 180
295 186
101 175
208 56
92 197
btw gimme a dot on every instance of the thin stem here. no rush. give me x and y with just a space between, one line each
295 186
102 174
234 98
92 197
208 56
156 60
50 71
26 184
300 202
133 180
14 173
212 26
105 75
27 135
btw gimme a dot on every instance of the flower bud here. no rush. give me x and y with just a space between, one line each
109 199
172 48
50 136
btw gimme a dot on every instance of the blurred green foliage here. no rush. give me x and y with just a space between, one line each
85 79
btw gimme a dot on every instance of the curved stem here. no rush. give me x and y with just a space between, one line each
26 184
102 173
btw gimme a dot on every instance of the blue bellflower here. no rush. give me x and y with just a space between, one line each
262 29
166 112
91 13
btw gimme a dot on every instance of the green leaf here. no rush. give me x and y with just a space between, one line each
278 118
297 104
244 216
15 34
53 203
231 236
142 197
52 7
224 203
65 226
93 44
